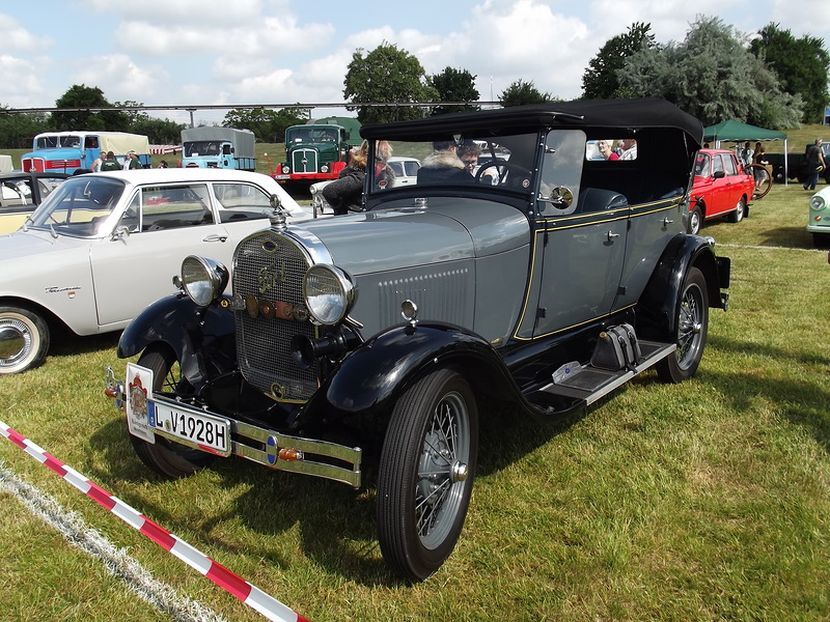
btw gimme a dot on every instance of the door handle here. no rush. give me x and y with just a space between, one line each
667 221
214 237
612 235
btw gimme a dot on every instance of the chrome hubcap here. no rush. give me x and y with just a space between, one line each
15 341
442 470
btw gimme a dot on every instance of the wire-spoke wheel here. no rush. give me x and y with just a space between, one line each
691 329
163 457
427 467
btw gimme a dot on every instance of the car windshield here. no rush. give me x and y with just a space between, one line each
502 161
201 148
79 206
53 141
311 135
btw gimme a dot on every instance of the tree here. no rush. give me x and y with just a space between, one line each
82 96
386 74
158 131
18 129
801 66
600 78
713 76
267 125
454 85
521 92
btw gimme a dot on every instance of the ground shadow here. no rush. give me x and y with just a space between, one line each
742 347
790 237
66 343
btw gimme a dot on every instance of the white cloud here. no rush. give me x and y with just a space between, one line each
120 78
192 12
17 39
21 86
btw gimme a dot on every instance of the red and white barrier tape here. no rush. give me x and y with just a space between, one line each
247 592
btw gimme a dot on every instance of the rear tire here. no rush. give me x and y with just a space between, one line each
24 340
691 327
166 458
426 473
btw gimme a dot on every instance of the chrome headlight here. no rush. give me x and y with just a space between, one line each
817 202
203 279
324 169
329 293
286 170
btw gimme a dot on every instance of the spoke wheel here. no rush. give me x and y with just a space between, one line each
24 340
763 181
163 457
426 473
691 328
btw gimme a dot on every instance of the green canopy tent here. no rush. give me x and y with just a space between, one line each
733 130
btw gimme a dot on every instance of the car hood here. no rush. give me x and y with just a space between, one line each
63 153
399 237
22 244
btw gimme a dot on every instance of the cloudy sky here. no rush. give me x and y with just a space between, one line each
183 52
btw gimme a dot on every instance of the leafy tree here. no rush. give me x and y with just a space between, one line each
133 116
18 129
82 96
454 85
521 92
386 74
713 76
267 125
158 131
802 66
600 78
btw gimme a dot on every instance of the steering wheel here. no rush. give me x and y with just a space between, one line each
502 167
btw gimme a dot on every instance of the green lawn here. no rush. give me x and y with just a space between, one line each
708 500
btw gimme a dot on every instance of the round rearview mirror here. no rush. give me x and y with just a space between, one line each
561 197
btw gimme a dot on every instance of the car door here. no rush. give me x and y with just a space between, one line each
160 226
581 246
721 196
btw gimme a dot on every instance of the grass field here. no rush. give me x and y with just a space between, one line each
708 500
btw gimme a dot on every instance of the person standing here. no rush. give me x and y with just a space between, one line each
110 163
96 164
132 161
815 164
346 192
745 155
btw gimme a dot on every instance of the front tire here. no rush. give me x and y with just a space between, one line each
24 340
740 211
695 220
692 324
165 458
426 473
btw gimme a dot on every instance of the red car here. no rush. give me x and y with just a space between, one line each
720 188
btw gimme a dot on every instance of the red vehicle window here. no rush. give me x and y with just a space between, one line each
729 165
718 164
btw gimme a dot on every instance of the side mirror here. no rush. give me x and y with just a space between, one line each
560 197
122 232
719 175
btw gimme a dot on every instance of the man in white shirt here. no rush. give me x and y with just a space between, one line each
629 149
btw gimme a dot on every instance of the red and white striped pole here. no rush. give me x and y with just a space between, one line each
247 592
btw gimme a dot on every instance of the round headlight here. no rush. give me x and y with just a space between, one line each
329 293
203 280
817 202
285 170
324 169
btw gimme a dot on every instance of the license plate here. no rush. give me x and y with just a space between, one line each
207 432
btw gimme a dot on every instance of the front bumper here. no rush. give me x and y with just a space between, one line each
264 446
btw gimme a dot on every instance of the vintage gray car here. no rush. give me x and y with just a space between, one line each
101 247
384 337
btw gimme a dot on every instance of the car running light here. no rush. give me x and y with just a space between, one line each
203 280
324 169
817 203
285 170
328 292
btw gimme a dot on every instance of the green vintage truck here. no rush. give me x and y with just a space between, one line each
317 150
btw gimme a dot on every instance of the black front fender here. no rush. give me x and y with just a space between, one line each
187 329
372 377
657 308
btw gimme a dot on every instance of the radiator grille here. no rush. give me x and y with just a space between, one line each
304 161
269 268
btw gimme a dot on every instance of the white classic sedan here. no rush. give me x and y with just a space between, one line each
104 246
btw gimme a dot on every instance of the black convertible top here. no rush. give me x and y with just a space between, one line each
629 114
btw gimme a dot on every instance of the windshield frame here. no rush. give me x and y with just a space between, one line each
81 189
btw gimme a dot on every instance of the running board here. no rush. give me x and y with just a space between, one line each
585 384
